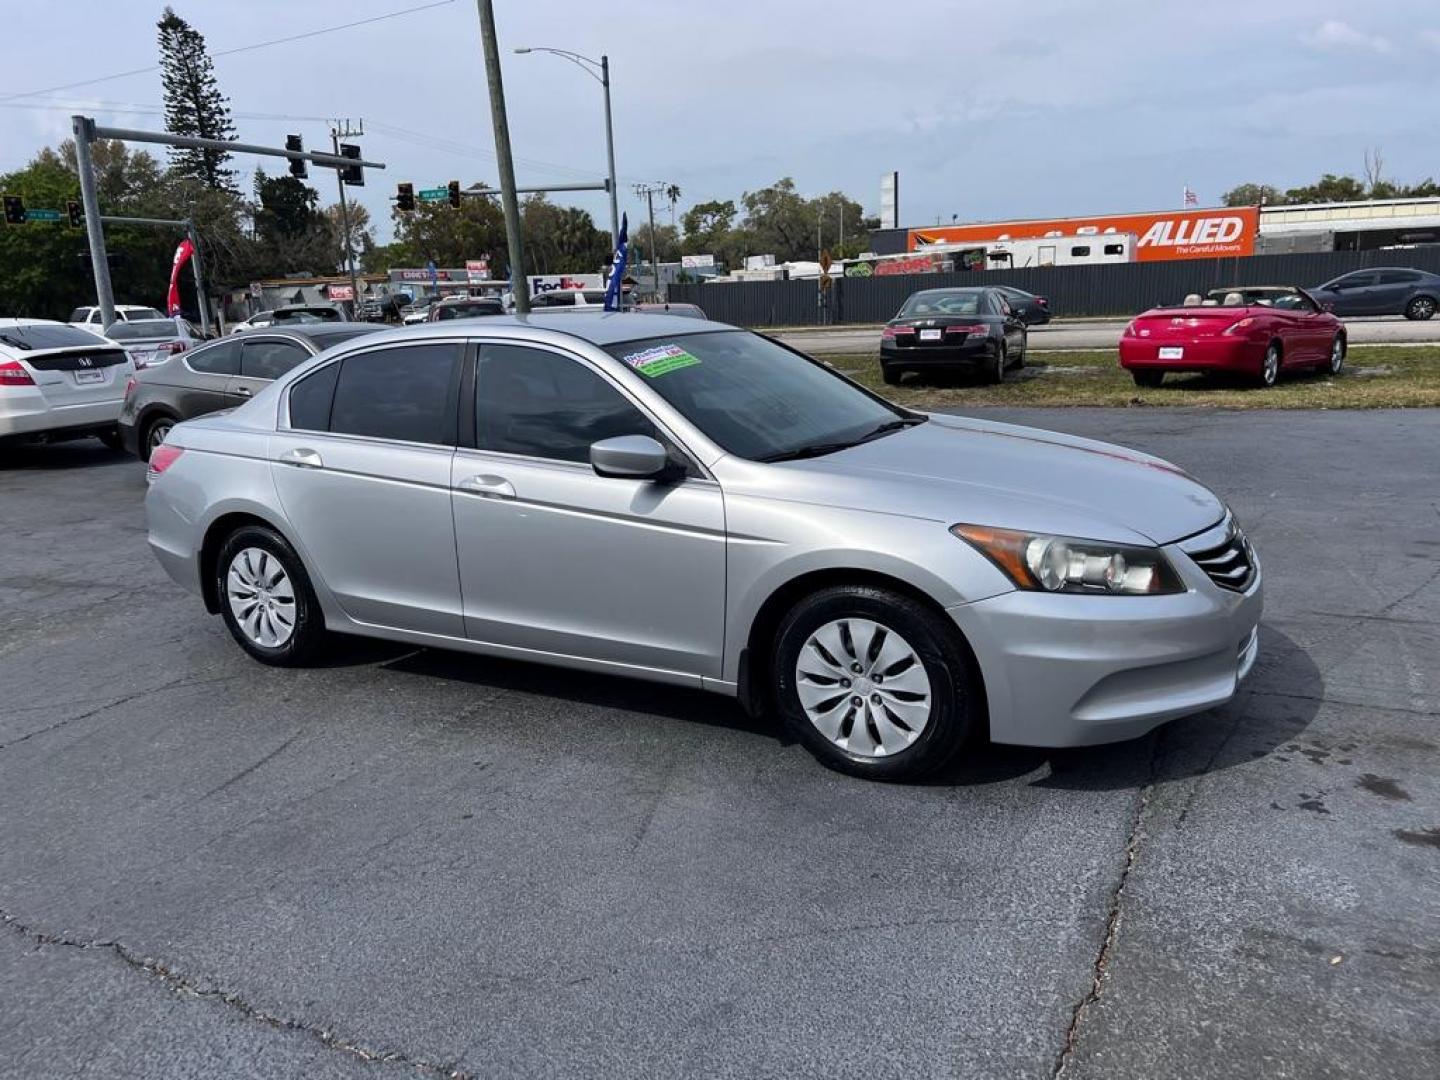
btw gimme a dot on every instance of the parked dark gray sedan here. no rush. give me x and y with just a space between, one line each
219 375
1383 290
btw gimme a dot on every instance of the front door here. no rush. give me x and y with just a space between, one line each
363 473
556 559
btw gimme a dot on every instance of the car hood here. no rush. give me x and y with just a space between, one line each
956 469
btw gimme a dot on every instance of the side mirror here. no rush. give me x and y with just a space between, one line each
631 457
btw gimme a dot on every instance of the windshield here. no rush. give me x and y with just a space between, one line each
956 302
149 328
47 336
465 311
752 397
141 313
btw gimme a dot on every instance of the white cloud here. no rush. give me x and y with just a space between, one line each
1334 35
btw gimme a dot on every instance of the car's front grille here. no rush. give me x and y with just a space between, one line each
1225 556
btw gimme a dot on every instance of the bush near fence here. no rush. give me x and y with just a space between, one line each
1115 290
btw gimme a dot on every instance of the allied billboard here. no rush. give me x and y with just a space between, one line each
1160 234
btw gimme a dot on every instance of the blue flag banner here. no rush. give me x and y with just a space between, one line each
617 266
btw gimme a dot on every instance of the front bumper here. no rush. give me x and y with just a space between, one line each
1082 670
1206 354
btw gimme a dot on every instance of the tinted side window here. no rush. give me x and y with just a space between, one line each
398 393
270 359
222 358
78 315
541 404
1398 277
1080 251
310 399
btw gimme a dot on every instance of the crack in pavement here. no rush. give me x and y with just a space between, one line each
1100 969
185 988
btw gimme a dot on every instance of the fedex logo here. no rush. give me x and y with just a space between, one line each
1193 232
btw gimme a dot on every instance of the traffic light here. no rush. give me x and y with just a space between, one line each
77 216
353 175
14 210
454 189
405 196
298 167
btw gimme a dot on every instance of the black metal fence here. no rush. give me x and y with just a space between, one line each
1118 290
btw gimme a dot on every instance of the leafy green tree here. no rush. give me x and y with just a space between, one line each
1329 188
194 105
1252 195
561 239
666 240
439 232
707 226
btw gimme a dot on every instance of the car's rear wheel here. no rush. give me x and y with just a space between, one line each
1148 379
266 599
1420 308
890 375
1270 366
995 370
874 683
155 432
1337 354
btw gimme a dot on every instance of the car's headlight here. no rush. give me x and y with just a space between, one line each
1063 564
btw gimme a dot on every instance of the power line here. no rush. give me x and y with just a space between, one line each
234 51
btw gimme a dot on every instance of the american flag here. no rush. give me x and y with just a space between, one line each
1191 199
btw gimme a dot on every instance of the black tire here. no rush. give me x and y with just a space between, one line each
1270 368
111 438
995 369
308 636
1420 308
1336 363
1148 379
153 434
890 375
954 693
1024 351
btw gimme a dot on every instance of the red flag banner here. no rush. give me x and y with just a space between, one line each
182 255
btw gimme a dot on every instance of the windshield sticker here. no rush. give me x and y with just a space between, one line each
660 360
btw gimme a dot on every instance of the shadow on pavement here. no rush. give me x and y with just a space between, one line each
1276 703
76 454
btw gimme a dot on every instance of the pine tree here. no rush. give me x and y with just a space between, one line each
194 105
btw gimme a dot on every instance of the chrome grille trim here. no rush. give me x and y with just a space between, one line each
1224 554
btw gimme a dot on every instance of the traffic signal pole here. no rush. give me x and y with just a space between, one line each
84 129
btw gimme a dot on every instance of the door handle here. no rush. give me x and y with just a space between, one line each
489 487
243 391
302 458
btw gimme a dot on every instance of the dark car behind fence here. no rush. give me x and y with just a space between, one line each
1115 290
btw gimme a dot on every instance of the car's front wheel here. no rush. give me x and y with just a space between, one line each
1148 379
1337 354
1420 308
266 598
874 683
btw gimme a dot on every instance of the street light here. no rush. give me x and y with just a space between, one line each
600 71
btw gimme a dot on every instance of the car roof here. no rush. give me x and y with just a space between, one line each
595 327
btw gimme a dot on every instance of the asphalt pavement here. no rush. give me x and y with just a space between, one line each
1095 334
415 863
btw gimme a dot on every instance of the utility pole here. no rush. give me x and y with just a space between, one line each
610 153
518 287
84 129
335 136
647 191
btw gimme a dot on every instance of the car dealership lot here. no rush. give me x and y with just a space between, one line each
210 867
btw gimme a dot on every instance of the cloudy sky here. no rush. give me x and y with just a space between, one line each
987 110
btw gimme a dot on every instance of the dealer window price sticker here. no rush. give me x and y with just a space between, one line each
660 360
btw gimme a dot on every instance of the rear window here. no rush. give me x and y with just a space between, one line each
942 303
47 336
466 311
146 328
139 314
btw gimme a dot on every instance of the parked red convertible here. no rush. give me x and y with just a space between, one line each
1253 331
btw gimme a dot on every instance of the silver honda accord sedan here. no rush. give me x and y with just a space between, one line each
686 502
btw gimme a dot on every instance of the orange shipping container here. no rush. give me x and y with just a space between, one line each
1160 234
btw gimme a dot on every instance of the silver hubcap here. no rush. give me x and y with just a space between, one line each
261 597
158 433
1337 355
1424 308
863 687
1272 366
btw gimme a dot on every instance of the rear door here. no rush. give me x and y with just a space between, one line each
362 466
201 378
1392 290
263 359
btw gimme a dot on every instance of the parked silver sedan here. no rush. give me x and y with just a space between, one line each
682 501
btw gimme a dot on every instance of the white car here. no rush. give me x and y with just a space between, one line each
59 381
259 321
90 318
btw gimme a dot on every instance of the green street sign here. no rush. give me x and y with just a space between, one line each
434 194
43 215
